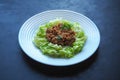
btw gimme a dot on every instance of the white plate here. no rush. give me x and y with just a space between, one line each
28 30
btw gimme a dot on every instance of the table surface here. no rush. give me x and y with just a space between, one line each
103 65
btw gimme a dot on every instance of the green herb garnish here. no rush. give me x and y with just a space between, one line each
66 27
59 37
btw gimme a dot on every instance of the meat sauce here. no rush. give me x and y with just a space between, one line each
60 36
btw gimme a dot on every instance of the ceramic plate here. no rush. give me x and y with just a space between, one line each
28 31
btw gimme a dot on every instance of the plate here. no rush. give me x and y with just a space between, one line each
28 31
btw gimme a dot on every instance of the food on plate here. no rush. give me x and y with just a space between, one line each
60 38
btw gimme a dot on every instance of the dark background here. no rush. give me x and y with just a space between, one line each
103 65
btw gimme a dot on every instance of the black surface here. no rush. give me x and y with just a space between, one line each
103 65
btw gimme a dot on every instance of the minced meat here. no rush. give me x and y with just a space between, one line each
59 35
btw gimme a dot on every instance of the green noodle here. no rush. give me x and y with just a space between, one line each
55 50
